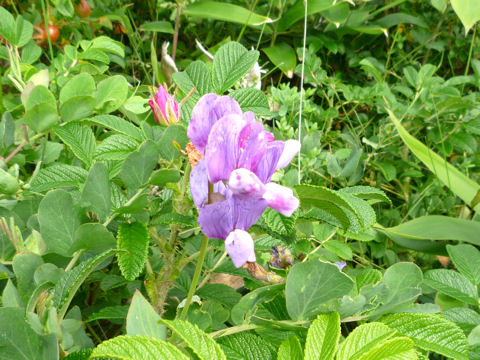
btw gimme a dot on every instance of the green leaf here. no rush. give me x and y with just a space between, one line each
282 56
297 12
94 237
96 192
79 85
173 133
24 266
231 62
7 26
362 339
142 319
440 5
41 117
108 45
70 282
19 341
322 337
468 11
114 313
157 26
174 218
115 147
118 124
251 99
339 248
137 347
59 217
197 340
312 284
279 223
290 349
80 138
246 346
466 259
83 354
430 332
60 175
24 31
196 74
465 318
111 93
371 194
225 12
10 296
456 181
392 349
453 284
77 108
139 165
221 293
133 239
163 176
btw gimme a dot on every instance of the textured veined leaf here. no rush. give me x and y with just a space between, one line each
251 99
371 194
115 147
362 339
83 354
453 284
137 347
322 337
278 223
393 349
118 312
430 332
467 319
231 62
174 218
118 125
467 261
133 239
196 74
96 195
247 346
60 175
200 342
69 283
367 216
290 349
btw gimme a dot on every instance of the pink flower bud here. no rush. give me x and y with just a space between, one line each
164 107
240 247
243 182
280 198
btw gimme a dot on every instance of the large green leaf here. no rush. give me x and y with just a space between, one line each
96 191
196 74
231 62
200 342
142 319
7 25
137 347
468 11
139 165
290 349
466 259
431 332
282 56
453 284
59 175
133 239
119 125
322 337
59 217
94 237
456 181
80 138
24 266
467 319
246 346
278 223
111 93
225 12
115 147
251 99
80 85
18 341
310 285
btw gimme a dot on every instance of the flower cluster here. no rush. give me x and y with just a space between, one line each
231 185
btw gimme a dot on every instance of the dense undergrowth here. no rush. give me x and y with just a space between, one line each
126 226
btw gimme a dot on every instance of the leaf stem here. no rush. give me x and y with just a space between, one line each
128 203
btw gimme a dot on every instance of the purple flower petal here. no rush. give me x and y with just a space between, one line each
216 219
209 109
240 247
243 182
292 147
280 198
253 145
340 264
199 183
268 164
246 211
222 151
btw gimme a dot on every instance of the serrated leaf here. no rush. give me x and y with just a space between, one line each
290 349
392 349
79 138
251 99
373 195
69 283
137 347
60 175
246 346
453 284
362 339
279 223
467 261
430 332
196 74
83 354
231 62
363 210
115 147
322 337
200 342
133 239
118 125
118 312
466 318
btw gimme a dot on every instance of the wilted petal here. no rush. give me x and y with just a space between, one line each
243 182
209 109
268 164
280 198
292 147
199 183
216 219
240 247
222 151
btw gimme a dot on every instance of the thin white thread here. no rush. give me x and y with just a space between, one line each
305 3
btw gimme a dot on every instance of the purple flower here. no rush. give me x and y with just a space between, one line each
240 157
164 107
340 264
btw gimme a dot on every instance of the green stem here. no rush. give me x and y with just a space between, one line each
196 276
128 203
470 54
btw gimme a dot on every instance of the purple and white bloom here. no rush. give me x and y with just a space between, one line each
340 264
240 157
164 107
